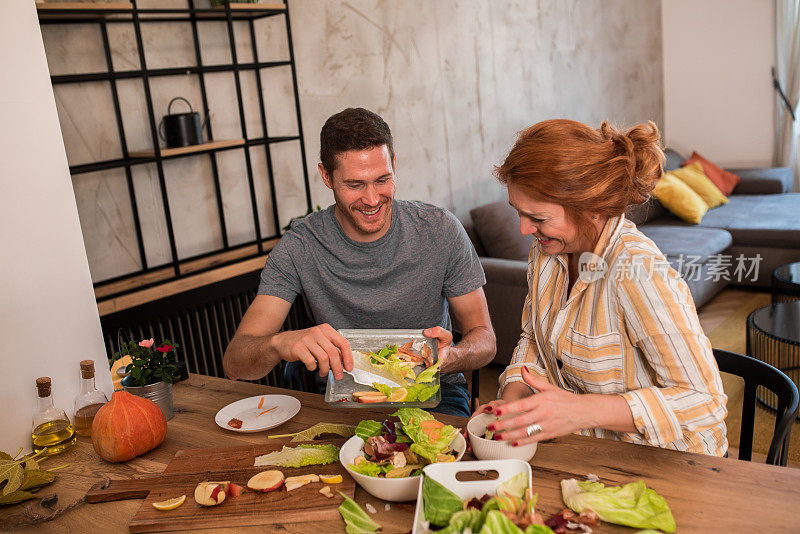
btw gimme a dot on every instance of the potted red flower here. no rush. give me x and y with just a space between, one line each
151 371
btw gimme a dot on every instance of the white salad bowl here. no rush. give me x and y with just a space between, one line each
488 449
388 489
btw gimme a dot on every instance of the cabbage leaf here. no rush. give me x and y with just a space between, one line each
634 504
356 520
300 456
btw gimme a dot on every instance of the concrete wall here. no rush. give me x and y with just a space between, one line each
454 79
718 95
48 317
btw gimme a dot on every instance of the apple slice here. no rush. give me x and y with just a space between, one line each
234 490
266 481
369 393
209 494
380 397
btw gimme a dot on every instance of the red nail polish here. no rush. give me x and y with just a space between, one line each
498 412
490 427
515 444
487 408
498 436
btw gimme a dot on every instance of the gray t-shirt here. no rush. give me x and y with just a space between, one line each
398 281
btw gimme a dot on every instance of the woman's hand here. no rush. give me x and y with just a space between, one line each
557 411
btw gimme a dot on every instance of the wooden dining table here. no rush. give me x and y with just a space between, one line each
705 494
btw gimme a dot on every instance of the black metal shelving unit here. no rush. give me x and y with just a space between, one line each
129 13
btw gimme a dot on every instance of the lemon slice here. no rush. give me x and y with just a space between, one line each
330 479
170 504
398 395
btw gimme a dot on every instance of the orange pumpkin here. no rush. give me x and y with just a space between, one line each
127 426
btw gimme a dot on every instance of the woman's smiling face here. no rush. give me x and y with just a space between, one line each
547 222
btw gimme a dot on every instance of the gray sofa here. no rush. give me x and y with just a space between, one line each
762 217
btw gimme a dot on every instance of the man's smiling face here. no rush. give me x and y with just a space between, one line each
363 187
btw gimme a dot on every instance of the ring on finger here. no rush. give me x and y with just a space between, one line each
530 430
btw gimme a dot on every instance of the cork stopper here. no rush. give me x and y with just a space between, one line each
87 369
43 386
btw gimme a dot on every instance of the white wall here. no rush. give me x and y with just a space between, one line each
718 96
48 315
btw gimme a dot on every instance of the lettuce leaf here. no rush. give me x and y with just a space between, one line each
369 469
356 520
515 486
538 529
497 523
300 456
429 374
368 428
408 414
465 519
313 432
633 504
422 446
438 502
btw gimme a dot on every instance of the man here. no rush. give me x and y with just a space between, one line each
368 261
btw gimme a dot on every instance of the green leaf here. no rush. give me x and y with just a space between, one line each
497 523
429 374
366 468
471 519
538 529
5 456
11 473
36 478
634 504
515 486
356 520
300 456
317 430
438 502
368 428
16 496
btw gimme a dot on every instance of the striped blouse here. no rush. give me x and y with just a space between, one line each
630 330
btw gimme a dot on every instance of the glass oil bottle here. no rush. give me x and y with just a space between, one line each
88 401
52 431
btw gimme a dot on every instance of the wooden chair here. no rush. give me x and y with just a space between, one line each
757 373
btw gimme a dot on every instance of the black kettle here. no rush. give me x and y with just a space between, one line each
181 129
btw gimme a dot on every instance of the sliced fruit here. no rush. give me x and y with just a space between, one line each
209 494
266 481
358 394
398 395
330 479
292 483
234 490
170 504
373 398
326 490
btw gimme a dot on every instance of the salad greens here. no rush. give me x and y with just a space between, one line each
634 504
356 520
300 456
396 451
510 511
313 432
388 360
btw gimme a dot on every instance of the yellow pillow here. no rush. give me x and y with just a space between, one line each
693 176
679 198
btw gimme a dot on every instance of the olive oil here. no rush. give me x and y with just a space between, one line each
88 401
52 431
53 437
84 417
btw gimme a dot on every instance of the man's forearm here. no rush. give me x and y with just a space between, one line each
250 357
475 350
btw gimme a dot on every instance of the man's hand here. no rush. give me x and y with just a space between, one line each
444 339
319 347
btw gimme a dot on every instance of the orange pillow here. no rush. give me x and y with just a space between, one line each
723 179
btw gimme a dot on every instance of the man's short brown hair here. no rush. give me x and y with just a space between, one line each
352 129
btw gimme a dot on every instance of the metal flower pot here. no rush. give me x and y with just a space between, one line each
160 393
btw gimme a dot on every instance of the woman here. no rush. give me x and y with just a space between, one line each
611 344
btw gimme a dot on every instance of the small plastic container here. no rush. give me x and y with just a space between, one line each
445 474
339 393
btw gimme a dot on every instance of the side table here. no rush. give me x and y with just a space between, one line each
786 282
773 336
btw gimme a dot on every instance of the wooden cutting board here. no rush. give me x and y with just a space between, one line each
235 464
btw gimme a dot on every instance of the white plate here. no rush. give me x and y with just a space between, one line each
247 411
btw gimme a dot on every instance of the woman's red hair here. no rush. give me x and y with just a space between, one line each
583 169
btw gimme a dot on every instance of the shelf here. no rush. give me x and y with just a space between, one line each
88 11
167 71
150 157
182 151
